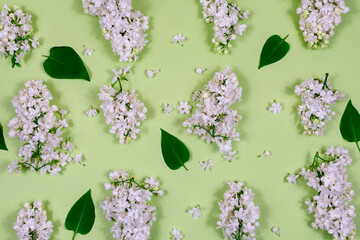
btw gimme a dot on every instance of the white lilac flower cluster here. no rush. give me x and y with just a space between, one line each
238 213
122 109
15 31
213 119
316 96
121 25
318 19
39 126
32 223
228 22
128 206
330 205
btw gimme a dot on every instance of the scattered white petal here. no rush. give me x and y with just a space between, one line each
78 158
150 73
200 70
275 108
184 107
167 108
276 230
176 234
88 51
207 165
292 178
92 112
178 39
195 211
265 154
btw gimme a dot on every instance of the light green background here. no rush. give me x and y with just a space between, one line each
282 204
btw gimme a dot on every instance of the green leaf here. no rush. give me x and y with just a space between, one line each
174 152
2 139
81 216
274 49
65 63
350 124
13 62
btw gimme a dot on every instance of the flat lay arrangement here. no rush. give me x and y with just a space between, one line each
132 120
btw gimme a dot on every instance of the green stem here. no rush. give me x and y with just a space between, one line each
357 144
212 134
240 234
131 181
42 166
35 168
122 182
323 159
28 164
316 158
119 81
73 236
185 167
37 162
120 90
325 82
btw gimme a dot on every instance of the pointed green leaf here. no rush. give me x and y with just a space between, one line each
274 49
13 62
2 139
350 124
65 63
174 152
81 216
